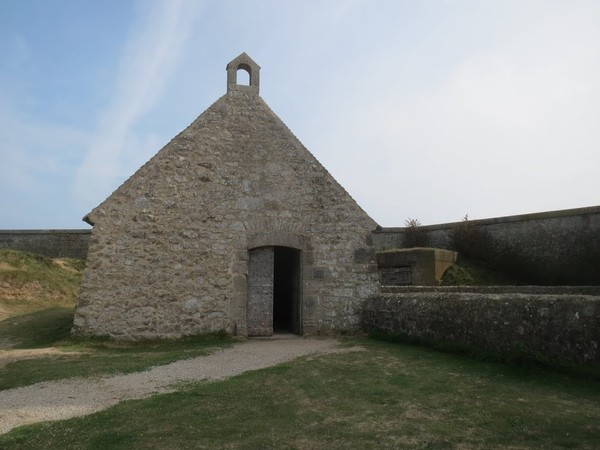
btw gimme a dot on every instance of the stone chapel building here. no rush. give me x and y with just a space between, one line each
233 225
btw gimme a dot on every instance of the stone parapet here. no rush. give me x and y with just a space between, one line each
557 328
51 243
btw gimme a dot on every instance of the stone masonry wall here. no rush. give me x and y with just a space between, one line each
553 325
169 249
51 243
558 247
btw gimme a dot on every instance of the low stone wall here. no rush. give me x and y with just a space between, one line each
550 326
51 243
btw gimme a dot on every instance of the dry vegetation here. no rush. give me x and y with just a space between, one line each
31 282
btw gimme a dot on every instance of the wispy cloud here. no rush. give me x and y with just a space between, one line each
36 160
31 150
156 46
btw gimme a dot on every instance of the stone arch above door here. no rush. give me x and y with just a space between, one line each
279 239
273 238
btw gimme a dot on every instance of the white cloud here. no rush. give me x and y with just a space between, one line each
154 50
509 128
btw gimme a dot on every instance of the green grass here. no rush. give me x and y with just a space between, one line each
391 396
85 356
91 358
473 273
515 359
37 329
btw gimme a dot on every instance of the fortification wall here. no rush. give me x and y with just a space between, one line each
551 326
52 243
553 248
557 247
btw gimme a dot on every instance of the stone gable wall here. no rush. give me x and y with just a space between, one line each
169 249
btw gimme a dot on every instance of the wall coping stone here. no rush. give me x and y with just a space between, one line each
537 290
500 220
48 231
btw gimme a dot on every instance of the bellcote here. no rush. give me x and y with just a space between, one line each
243 62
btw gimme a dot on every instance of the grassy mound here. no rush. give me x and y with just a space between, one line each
467 272
31 282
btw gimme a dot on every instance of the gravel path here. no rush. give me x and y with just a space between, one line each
63 399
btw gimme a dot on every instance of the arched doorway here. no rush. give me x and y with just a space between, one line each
274 291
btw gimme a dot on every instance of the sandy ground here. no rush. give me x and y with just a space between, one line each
63 399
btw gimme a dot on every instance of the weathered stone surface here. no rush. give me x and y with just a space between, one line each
169 249
557 325
414 266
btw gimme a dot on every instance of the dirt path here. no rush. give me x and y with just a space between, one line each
63 399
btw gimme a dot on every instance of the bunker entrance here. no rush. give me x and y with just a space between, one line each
274 281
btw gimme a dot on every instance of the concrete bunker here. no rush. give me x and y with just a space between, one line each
413 266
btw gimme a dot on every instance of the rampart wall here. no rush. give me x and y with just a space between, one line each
547 324
550 248
52 243
558 247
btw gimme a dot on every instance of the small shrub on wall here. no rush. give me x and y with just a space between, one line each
471 241
414 236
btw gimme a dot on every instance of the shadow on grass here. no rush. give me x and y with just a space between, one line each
38 329
517 361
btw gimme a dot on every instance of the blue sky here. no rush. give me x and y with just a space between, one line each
420 109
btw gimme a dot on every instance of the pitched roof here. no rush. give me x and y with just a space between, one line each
237 148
